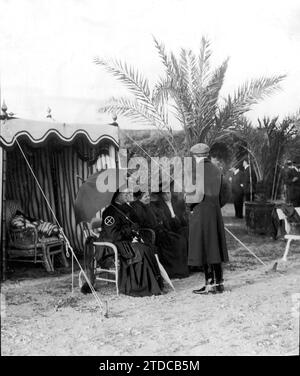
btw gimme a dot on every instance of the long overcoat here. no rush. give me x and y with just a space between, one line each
207 242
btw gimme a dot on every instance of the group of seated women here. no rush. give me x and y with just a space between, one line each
129 222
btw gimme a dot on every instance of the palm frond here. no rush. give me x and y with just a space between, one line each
128 75
123 106
138 86
170 62
192 90
204 61
247 95
162 52
133 110
216 82
253 91
208 108
160 97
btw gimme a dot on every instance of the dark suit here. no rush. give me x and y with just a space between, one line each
237 193
292 181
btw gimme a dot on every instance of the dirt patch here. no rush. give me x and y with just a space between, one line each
256 315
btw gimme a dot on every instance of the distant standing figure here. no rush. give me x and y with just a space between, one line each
237 191
296 199
249 181
207 242
292 183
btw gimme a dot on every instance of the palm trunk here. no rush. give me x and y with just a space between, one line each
275 173
188 139
250 174
277 185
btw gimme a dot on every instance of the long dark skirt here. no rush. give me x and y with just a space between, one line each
138 276
141 278
207 242
172 252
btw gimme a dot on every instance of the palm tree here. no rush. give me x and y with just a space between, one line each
265 146
190 90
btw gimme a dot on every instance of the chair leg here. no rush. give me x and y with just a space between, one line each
284 258
63 259
117 273
47 262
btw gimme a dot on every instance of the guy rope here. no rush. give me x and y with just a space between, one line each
103 306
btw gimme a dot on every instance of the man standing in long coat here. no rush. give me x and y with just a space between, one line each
207 242
237 191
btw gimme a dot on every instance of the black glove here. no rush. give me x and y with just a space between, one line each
135 227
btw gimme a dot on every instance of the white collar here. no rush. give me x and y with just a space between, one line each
199 159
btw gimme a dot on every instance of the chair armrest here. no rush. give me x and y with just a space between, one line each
87 231
149 231
25 236
104 245
107 244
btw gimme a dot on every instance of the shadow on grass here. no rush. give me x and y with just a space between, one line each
20 271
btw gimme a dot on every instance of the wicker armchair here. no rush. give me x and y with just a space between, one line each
24 245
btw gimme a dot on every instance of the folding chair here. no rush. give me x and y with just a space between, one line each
146 232
98 270
114 271
149 234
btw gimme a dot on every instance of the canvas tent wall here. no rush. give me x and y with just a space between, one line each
62 156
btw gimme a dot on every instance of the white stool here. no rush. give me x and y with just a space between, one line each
289 237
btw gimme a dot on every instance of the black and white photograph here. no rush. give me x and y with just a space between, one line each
150 181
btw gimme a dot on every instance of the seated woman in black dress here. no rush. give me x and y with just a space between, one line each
139 273
180 210
143 211
171 243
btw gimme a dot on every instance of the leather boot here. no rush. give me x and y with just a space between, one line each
209 281
218 273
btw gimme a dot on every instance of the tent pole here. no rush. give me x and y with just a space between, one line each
1 176
1 240
2 211
112 155
2 201
72 273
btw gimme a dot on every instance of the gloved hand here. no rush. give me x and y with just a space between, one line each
135 227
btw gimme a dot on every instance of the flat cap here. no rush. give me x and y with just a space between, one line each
200 149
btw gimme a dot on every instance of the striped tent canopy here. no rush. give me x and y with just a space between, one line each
37 132
62 157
